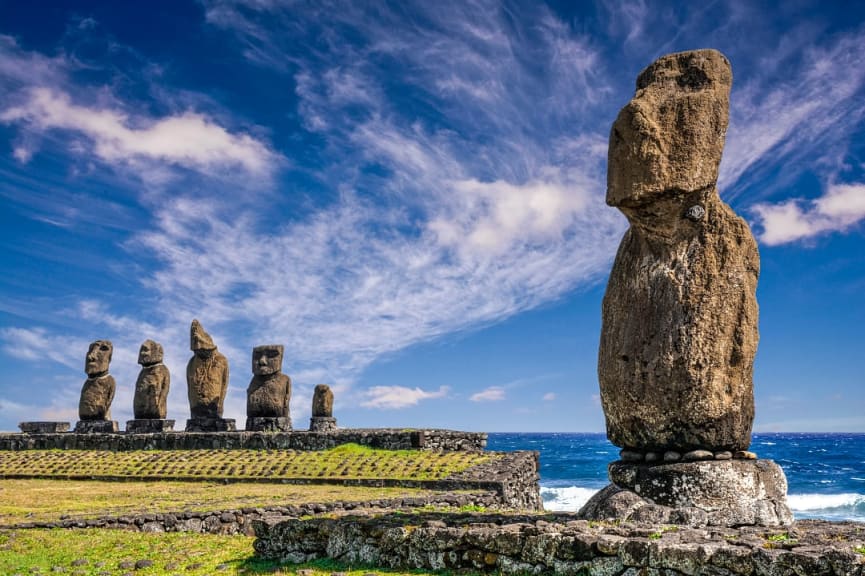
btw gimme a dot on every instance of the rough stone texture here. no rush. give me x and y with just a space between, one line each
322 402
322 424
679 327
96 427
98 390
149 426
269 392
43 427
700 493
558 544
206 375
206 424
151 388
268 424
384 438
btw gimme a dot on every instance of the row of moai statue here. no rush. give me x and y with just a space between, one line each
267 397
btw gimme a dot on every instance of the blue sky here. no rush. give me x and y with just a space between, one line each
408 196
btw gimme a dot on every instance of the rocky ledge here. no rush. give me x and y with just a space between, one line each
561 544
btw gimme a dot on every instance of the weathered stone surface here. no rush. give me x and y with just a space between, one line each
322 424
98 390
206 375
206 424
43 427
96 427
268 424
525 544
154 380
708 492
149 426
269 392
679 327
322 402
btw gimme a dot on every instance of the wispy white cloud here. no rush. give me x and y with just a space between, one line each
841 207
549 397
190 140
491 394
395 397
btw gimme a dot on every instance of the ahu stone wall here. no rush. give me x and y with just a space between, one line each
384 438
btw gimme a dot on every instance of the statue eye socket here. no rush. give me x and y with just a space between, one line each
272 353
104 348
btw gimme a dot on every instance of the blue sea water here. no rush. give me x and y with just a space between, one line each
825 472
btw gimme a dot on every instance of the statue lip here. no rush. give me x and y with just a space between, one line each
150 364
97 375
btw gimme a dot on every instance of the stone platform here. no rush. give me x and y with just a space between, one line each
210 425
268 424
43 427
322 424
701 493
96 427
149 426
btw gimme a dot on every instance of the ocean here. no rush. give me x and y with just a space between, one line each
825 472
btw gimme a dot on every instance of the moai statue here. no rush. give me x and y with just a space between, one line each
207 384
322 410
679 330
151 392
94 407
269 392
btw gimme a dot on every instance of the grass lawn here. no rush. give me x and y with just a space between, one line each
348 461
48 500
104 552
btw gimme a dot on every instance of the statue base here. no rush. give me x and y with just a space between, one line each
149 426
97 427
702 493
322 424
210 425
43 427
268 424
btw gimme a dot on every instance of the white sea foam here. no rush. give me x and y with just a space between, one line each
811 502
566 498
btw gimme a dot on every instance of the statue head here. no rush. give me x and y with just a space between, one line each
199 340
98 358
322 401
267 359
150 353
667 141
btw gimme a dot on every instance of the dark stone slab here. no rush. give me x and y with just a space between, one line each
43 427
149 426
210 425
322 424
268 424
96 427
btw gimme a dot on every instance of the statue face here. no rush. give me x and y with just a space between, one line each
150 353
267 360
98 357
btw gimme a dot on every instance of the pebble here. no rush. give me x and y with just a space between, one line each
171 566
698 455
126 564
222 567
143 564
79 562
653 457
671 456
744 455
724 455
631 456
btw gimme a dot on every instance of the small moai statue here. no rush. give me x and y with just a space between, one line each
94 407
151 392
269 392
322 410
207 384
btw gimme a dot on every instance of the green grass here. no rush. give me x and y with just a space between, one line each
49 500
859 549
115 552
349 461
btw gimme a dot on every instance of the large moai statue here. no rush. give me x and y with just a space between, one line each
150 403
94 406
679 330
207 384
269 392
322 419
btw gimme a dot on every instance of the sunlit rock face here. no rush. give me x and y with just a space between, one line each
98 390
679 330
